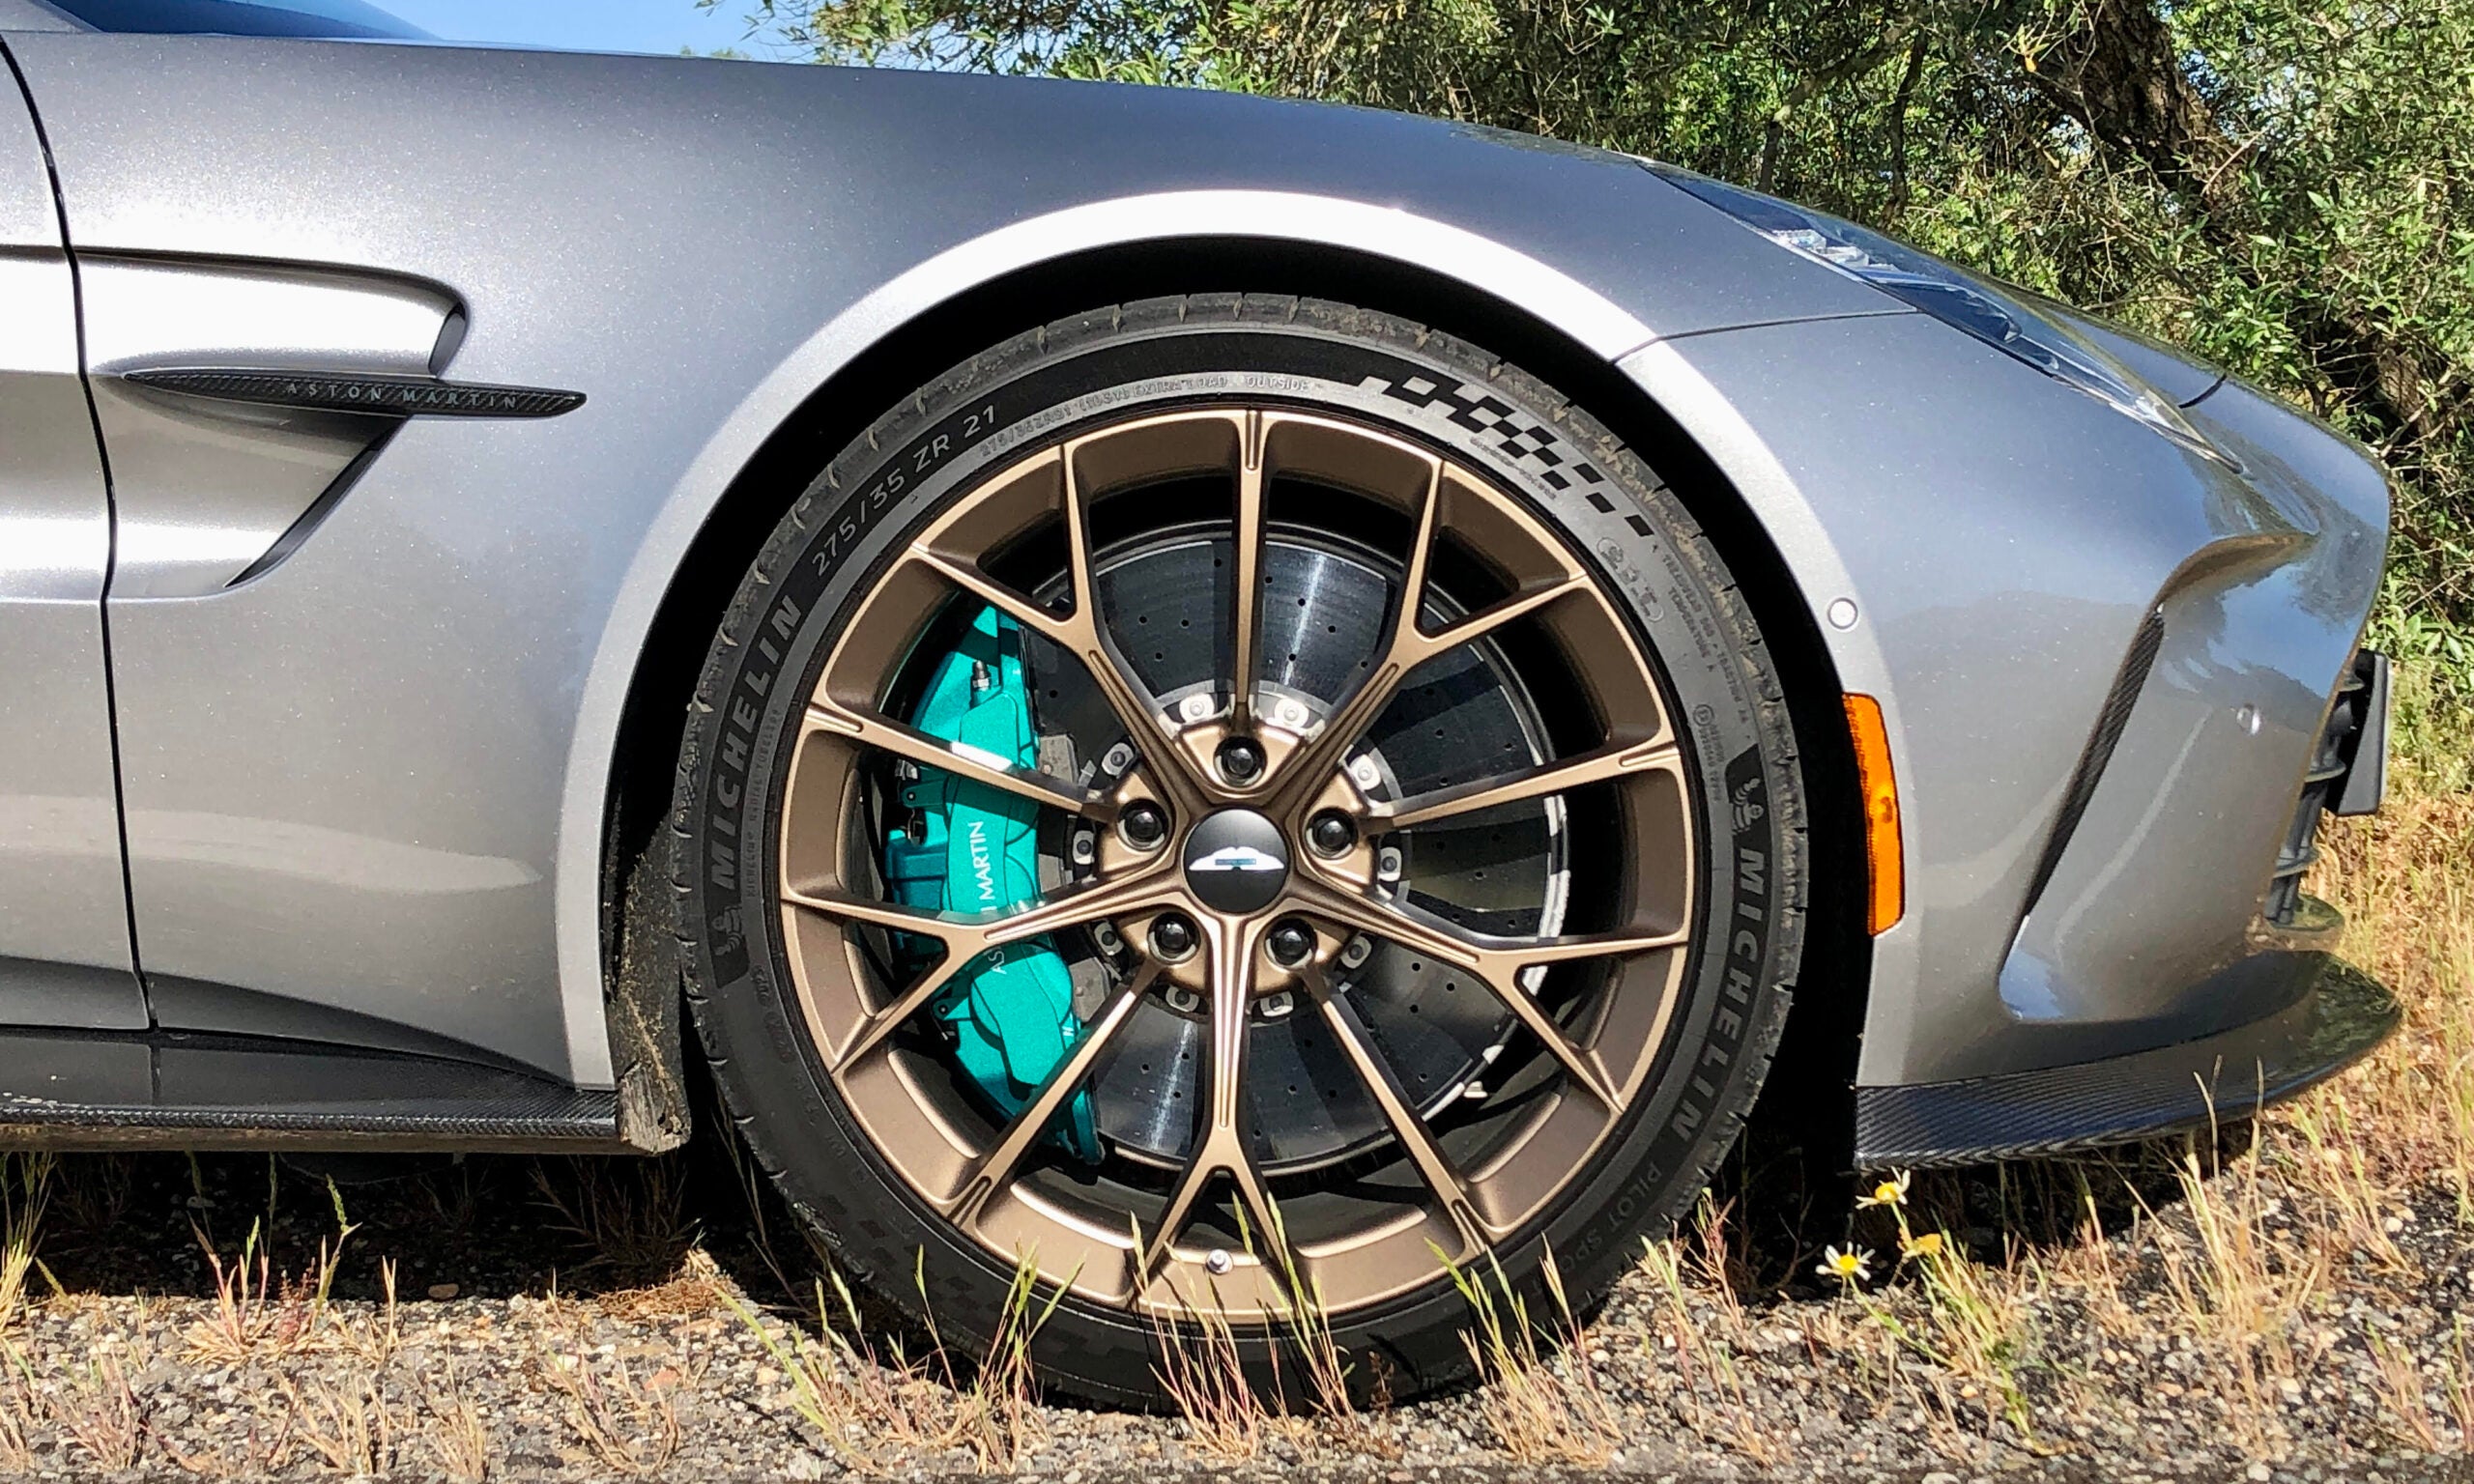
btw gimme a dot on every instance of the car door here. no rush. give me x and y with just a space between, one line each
332 776
64 945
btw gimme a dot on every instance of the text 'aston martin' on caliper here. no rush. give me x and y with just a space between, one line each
969 849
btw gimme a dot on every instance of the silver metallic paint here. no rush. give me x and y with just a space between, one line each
2173 855
2182 379
2002 562
29 15
438 674
374 779
202 489
64 911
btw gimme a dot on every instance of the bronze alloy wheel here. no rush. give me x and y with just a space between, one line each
1345 856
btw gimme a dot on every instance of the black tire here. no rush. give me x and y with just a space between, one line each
1425 386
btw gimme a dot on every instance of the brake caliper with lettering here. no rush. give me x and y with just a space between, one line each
969 849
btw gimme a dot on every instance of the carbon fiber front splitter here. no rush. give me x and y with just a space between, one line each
2340 1015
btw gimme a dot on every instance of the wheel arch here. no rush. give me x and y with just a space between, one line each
1566 341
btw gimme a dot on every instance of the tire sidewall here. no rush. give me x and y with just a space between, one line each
851 523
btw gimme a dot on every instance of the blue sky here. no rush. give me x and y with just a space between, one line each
594 25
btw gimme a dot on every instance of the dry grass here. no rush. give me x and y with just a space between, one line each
18 1427
92 1191
455 1438
98 1412
257 1312
260 1312
1703 1351
1322 1366
2406 880
2432 1403
377 1340
345 1425
697 1288
631 1217
25 1185
625 1425
1232 1412
1202 1369
2241 1285
1001 1405
1544 1408
882 1409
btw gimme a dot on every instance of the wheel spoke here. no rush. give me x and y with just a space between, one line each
1478 951
1247 621
1081 635
1409 645
1498 963
1061 629
1312 763
1222 1148
966 938
1089 644
996 1167
889 735
1559 777
1145 889
845 907
1024 541
1433 1165
879 1028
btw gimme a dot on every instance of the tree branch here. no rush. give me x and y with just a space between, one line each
1811 85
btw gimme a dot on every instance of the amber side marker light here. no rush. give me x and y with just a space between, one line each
1882 849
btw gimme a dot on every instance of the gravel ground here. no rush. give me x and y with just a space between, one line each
590 1320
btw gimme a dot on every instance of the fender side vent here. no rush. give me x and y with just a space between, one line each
2107 736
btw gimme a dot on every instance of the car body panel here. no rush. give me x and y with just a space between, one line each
2166 870
366 788
2000 566
202 491
28 15
2182 378
64 908
393 750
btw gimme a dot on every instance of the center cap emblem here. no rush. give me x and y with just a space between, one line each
1236 862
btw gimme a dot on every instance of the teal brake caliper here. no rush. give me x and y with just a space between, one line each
970 849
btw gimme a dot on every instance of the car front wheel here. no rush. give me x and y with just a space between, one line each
1222 801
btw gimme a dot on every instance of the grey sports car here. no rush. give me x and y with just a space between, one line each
1210 699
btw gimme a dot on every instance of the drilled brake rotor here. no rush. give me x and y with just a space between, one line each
1323 613
1251 954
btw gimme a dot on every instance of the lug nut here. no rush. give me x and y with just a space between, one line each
1172 937
1332 833
1143 826
1240 761
1291 943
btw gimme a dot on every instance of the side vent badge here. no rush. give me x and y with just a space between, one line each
389 396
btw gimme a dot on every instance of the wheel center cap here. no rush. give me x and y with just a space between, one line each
1235 862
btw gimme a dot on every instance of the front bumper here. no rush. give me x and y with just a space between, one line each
2315 1014
2332 1016
2109 669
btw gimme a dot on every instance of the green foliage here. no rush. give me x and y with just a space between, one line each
2430 742
2285 187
